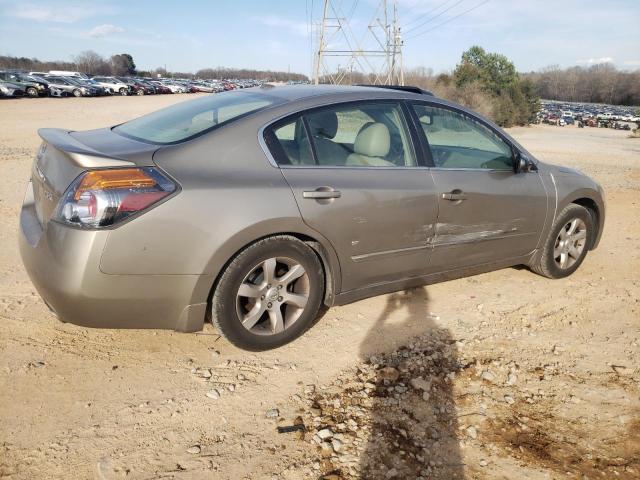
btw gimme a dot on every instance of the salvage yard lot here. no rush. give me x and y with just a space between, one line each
501 375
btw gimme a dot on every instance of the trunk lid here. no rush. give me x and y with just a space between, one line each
64 154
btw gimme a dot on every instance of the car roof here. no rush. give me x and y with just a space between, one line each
300 92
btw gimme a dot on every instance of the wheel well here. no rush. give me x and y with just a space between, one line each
593 208
310 241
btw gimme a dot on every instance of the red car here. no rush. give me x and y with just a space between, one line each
161 88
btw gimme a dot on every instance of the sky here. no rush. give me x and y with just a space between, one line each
277 34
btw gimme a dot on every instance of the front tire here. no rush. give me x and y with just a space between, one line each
32 92
566 246
77 93
269 294
123 92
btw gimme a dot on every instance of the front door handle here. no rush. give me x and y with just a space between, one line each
454 196
322 193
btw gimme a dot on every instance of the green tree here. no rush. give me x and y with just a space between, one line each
494 71
122 64
514 102
531 97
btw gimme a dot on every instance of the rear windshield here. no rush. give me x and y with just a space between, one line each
189 119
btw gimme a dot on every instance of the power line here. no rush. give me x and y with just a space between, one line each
429 12
429 20
352 11
449 20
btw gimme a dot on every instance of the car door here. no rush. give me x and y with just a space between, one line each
356 179
486 211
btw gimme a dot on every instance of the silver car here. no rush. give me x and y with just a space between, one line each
257 207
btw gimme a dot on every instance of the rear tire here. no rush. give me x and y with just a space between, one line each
32 92
77 93
123 92
566 246
257 310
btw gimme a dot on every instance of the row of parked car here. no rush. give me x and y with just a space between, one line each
76 84
587 115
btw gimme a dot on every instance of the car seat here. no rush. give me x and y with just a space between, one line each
371 144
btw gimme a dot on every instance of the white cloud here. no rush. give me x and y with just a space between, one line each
104 30
57 12
293 26
595 61
631 63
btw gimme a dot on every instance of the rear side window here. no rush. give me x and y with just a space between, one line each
189 119
367 134
294 143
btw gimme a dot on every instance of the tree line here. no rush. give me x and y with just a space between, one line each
92 63
601 83
269 75
88 62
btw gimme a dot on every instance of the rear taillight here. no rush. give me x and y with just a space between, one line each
101 198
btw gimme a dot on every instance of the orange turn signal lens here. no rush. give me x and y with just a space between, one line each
102 198
110 179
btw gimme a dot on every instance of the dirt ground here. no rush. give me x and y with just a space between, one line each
499 376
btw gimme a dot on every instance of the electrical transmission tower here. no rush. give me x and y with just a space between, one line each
382 62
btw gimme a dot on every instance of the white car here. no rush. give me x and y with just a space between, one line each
67 73
175 88
113 85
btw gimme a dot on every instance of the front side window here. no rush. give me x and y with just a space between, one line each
189 119
457 140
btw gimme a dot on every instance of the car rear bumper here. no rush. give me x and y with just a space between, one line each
64 266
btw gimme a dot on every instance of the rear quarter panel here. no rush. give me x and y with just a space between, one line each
231 196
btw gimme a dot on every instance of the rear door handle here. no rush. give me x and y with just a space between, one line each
454 196
321 193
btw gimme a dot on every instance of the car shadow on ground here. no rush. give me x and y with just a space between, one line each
412 421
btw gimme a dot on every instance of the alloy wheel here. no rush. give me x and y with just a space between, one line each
272 296
570 243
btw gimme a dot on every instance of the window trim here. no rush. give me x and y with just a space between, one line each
270 143
266 135
425 142
312 144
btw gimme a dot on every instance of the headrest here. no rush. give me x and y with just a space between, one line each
373 140
323 124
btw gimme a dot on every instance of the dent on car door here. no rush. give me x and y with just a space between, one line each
487 212
355 177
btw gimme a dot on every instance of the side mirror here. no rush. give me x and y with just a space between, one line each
523 163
